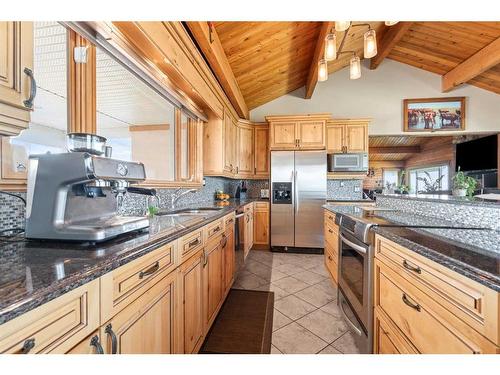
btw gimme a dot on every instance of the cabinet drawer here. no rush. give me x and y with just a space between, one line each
229 221
333 250
329 218
332 236
123 285
248 208
331 264
190 244
472 302
261 206
215 228
421 320
387 339
56 326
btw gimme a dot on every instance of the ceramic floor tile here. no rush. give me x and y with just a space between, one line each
275 350
289 268
290 284
315 296
308 277
328 350
346 344
250 281
323 325
278 292
279 320
294 339
293 307
327 286
332 308
321 270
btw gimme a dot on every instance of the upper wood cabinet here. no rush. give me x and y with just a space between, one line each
17 84
304 132
245 149
261 151
229 140
347 135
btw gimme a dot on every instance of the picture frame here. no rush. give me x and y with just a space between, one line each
434 114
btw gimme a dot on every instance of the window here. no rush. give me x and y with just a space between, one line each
391 178
429 179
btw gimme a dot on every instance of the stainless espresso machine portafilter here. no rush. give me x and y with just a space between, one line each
77 196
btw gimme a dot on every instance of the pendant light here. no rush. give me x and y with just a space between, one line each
322 70
330 47
342 25
390 23
370 44
355 68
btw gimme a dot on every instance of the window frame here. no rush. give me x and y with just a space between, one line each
425 167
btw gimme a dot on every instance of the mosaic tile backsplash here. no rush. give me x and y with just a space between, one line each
344 189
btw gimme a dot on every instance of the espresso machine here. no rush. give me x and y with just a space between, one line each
77 196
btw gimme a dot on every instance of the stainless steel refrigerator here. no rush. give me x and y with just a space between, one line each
298 191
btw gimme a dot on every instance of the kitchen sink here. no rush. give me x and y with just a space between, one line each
201 211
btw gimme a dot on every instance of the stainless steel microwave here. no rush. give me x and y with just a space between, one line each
353 162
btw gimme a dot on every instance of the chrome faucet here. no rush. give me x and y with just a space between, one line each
177 195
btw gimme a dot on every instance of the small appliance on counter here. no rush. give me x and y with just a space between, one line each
77 195
264 193
241 191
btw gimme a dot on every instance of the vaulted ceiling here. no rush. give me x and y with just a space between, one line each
270 59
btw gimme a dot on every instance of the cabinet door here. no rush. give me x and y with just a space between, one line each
335 138
311 134
90 345
356 137
245 149
261 151
192 277
212 279
249 230
229 144
282 135
261 225
147 325
228 248
16 54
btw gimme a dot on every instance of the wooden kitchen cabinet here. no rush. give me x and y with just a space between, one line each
303 132
16 66
261 151
148 325
229 258
347 135
261 225
247 236
90 345
245 151
230 140
192 286
331 235
213 279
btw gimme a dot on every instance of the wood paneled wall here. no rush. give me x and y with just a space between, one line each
438 150
372 182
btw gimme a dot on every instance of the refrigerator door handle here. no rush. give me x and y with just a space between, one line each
296 192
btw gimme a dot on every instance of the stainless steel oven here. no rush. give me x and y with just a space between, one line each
355 286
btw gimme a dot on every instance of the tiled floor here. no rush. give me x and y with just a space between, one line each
306 316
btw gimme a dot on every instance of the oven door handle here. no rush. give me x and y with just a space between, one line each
239 216
353 326
358 248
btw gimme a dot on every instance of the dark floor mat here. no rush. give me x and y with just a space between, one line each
244 324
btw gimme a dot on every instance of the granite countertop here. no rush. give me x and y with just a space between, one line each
35 272
479 264
444 199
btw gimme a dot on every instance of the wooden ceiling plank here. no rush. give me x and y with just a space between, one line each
395 150
390 38
210 45
478 63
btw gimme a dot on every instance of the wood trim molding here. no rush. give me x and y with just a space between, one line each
208 41
312 77
148 128
395 150
478 63
82 110
498 160
390 38
315 116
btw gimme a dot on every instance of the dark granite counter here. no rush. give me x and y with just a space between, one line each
476 262
444 199
35 272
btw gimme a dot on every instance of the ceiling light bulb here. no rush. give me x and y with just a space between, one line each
342 25
390 23
370 45
330 47
322 70
355 68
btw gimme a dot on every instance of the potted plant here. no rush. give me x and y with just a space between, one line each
430 186
402 188
463 185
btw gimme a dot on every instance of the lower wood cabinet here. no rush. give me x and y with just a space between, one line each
149 325
261 224
90 345
229 258
331 235
213 271
247 229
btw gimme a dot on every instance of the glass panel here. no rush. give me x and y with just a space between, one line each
138 123
352 271
48 127
429 179
391 177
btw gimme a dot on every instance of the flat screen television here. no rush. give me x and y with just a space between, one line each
478 154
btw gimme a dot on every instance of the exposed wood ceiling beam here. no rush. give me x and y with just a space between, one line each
312 77
478 63
395 150
390 38
207 39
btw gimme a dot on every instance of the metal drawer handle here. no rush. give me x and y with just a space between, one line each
409 303
155 267
408 266
329 257
216 229
330 231
205 258
94 341
223 240
114 342
330 217
194 242
230 221
28 103
27 346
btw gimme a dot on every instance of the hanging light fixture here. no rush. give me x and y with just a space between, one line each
355 67
322 70
330 47
370 44
342 25
390 23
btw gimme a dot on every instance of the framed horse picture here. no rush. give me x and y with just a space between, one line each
434 114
